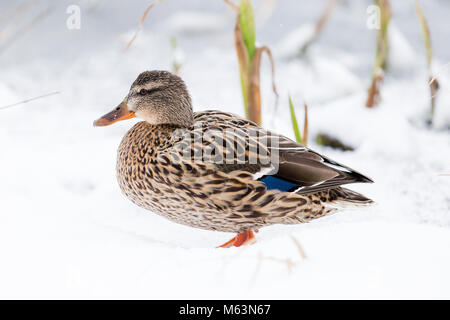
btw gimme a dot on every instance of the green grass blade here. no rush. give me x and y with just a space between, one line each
298 136
247 23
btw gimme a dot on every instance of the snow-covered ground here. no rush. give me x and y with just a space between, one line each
67 232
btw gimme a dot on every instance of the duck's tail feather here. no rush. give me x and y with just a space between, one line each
346 198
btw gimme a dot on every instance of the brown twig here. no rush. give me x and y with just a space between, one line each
249 59
141 23
254 92
434 89
331 5
29 100
267 51
433 78
25 28
17 11
434 84
320 25
305 127
299 248
373 97
232 4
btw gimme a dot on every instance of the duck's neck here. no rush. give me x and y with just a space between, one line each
158 135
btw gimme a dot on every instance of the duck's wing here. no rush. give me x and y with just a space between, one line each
310 171
281 163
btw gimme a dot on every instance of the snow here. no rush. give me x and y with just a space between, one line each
188 22
67 232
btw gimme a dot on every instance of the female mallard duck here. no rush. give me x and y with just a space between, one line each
216 171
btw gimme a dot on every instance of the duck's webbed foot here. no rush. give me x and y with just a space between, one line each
243 238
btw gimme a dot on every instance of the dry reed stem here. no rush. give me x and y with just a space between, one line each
438 73
425 32
29 100
305 127
232 4
254 91
250 71
434 84
290 265
320 25
24 29
141 23
331 5
382 37
373 97
267 51
241 50
243 61
17 10
299 247
434 89
288 262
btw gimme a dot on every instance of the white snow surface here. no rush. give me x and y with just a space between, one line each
66 231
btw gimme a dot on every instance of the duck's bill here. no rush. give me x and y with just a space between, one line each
121 112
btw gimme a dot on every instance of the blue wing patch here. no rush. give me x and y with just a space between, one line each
272 182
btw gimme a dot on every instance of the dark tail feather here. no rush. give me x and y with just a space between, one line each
347 195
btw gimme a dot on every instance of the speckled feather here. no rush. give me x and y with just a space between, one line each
154 173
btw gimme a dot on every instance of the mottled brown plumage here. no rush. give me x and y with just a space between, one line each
216 171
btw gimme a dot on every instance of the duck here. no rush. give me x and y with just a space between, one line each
217 171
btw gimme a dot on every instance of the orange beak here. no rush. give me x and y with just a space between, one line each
121 112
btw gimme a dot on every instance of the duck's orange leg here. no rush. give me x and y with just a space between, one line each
243 238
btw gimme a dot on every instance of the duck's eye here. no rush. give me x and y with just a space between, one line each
143 92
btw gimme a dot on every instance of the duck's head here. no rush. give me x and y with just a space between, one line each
158 97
